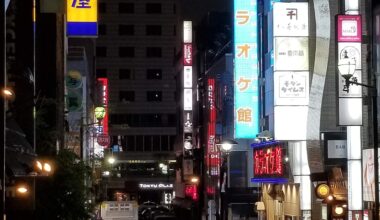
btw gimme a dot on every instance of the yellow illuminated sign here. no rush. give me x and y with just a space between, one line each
82 11
322 191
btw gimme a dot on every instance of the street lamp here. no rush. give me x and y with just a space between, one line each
225 147
346 69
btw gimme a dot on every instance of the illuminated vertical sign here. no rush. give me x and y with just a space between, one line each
212 153
104 101
187 89
291 69
246 106
349 31
82 18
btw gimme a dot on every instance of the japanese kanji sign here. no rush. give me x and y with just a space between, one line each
246 94
82 18
291 88
268 162
291 19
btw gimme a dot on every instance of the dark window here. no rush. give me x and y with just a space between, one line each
126 74
131 143
153 30
147 143
164 143
153 8
126 8
153 52
102 7
126 29
139 143
126 96
154 96
126 51
101 72
101 51
156 143
174 30
154 74
171 142
172 120
102 29
174 8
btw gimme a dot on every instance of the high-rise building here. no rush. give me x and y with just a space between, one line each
135 50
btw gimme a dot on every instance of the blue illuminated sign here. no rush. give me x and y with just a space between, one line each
246 106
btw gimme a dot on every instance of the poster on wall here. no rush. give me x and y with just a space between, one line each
291 53
291 88
368 175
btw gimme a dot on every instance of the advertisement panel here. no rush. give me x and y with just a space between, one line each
188 99
349 28
290 19
187 54
103 82
246 93
291 88
368 175
187 32
187 76
349 62
291 53
82 18
337 149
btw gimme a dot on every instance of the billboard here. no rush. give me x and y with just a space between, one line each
82 18
246 92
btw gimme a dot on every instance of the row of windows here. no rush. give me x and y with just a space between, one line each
144 120
129 30
129 96
151 52
151 74
145 143
129 8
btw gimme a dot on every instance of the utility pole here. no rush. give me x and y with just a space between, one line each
2 107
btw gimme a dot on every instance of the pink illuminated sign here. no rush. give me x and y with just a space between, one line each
104 99
187 54
349 28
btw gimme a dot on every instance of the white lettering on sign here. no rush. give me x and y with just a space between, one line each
156 185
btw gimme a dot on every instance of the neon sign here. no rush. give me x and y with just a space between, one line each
268 162
104 101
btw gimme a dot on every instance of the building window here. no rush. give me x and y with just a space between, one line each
126 51
126 96
153 52
102 8
101 51
126 74
101 72
153 30
174 9
154 96
153 8
174 30
102 29
154 74
126 29
126 8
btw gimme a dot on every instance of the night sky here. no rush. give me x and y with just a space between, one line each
196 9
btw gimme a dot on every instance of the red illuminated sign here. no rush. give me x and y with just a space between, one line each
192 192
104 100
212 153
268 161
187 54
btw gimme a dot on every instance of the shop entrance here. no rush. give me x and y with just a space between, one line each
150 195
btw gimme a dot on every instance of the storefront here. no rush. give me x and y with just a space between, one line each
280 199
